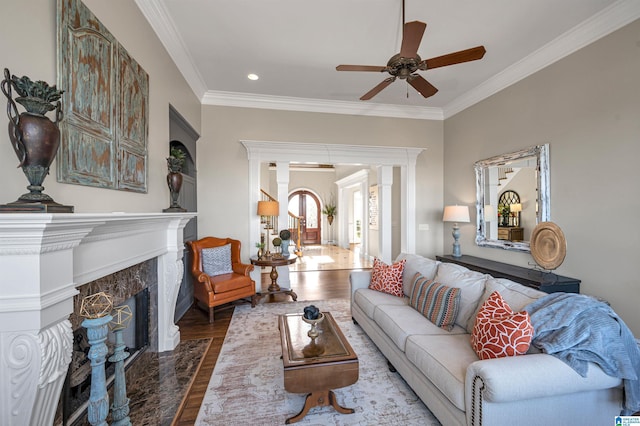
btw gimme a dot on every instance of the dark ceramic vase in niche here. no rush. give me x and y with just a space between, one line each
174 181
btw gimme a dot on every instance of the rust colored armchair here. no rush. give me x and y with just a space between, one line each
226 279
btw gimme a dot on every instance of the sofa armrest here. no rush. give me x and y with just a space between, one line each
528 376
359 279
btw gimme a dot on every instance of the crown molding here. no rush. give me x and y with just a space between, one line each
250 100
158 17
599 25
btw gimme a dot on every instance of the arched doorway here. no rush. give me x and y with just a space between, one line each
306 205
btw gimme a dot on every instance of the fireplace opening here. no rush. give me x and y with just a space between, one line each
77 385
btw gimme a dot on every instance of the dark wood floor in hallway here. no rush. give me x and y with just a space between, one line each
309 285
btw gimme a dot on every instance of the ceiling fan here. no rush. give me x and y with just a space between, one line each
404 65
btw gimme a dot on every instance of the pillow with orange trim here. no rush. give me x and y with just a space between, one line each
387 278
500 332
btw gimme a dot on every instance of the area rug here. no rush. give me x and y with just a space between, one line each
247 384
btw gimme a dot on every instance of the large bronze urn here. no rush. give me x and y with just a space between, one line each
35 139
175 161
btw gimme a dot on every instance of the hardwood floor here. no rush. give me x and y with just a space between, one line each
309 285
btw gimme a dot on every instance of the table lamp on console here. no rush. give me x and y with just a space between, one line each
456 214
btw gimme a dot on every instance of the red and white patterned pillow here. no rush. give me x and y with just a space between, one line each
387 278
499 331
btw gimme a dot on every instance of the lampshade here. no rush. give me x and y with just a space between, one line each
489 213
456 214
514 208
268 208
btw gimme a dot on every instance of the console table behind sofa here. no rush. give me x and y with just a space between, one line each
540 280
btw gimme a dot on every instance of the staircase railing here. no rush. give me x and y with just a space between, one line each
293 223
503 174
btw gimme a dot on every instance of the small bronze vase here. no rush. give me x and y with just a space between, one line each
35 140
174 180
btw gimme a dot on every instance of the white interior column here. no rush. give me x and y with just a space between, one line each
385 181
282 179
342 218
255 228
364 190
408 228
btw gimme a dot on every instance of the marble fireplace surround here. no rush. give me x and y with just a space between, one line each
43 258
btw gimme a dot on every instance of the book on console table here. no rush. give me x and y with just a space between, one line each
540 280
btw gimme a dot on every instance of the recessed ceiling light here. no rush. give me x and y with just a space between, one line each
253 76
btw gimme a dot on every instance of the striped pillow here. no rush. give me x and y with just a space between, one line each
437 302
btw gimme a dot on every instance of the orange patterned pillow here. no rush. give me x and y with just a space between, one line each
387 278
499 331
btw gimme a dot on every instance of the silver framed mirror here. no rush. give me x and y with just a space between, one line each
524 172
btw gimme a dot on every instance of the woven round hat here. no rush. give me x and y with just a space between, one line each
548 245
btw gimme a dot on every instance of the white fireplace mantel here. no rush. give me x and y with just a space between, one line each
43 259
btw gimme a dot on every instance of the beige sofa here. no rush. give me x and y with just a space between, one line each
459 388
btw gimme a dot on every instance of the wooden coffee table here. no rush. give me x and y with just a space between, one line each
316 366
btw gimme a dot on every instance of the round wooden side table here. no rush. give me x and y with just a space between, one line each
274 262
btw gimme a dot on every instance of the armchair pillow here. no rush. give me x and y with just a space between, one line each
500 332
387 278
217 260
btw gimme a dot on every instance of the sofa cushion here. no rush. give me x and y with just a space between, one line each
516 295
216 260
437 302
443 360
499 331
400 322
387 278
470 283
415 263
368 299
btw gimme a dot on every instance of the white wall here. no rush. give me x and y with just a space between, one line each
28 47
587 107
223 203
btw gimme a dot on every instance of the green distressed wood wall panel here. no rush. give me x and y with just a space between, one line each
91 157
104 133
132 123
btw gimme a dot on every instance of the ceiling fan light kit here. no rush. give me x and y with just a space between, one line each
404 65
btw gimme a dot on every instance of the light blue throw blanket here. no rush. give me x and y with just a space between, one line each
579 329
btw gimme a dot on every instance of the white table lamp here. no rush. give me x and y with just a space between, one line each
456 214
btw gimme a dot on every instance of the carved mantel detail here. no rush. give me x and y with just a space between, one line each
43 259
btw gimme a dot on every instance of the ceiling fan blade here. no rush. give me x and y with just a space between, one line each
425 88
467 55
411 38
361 68
371 93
